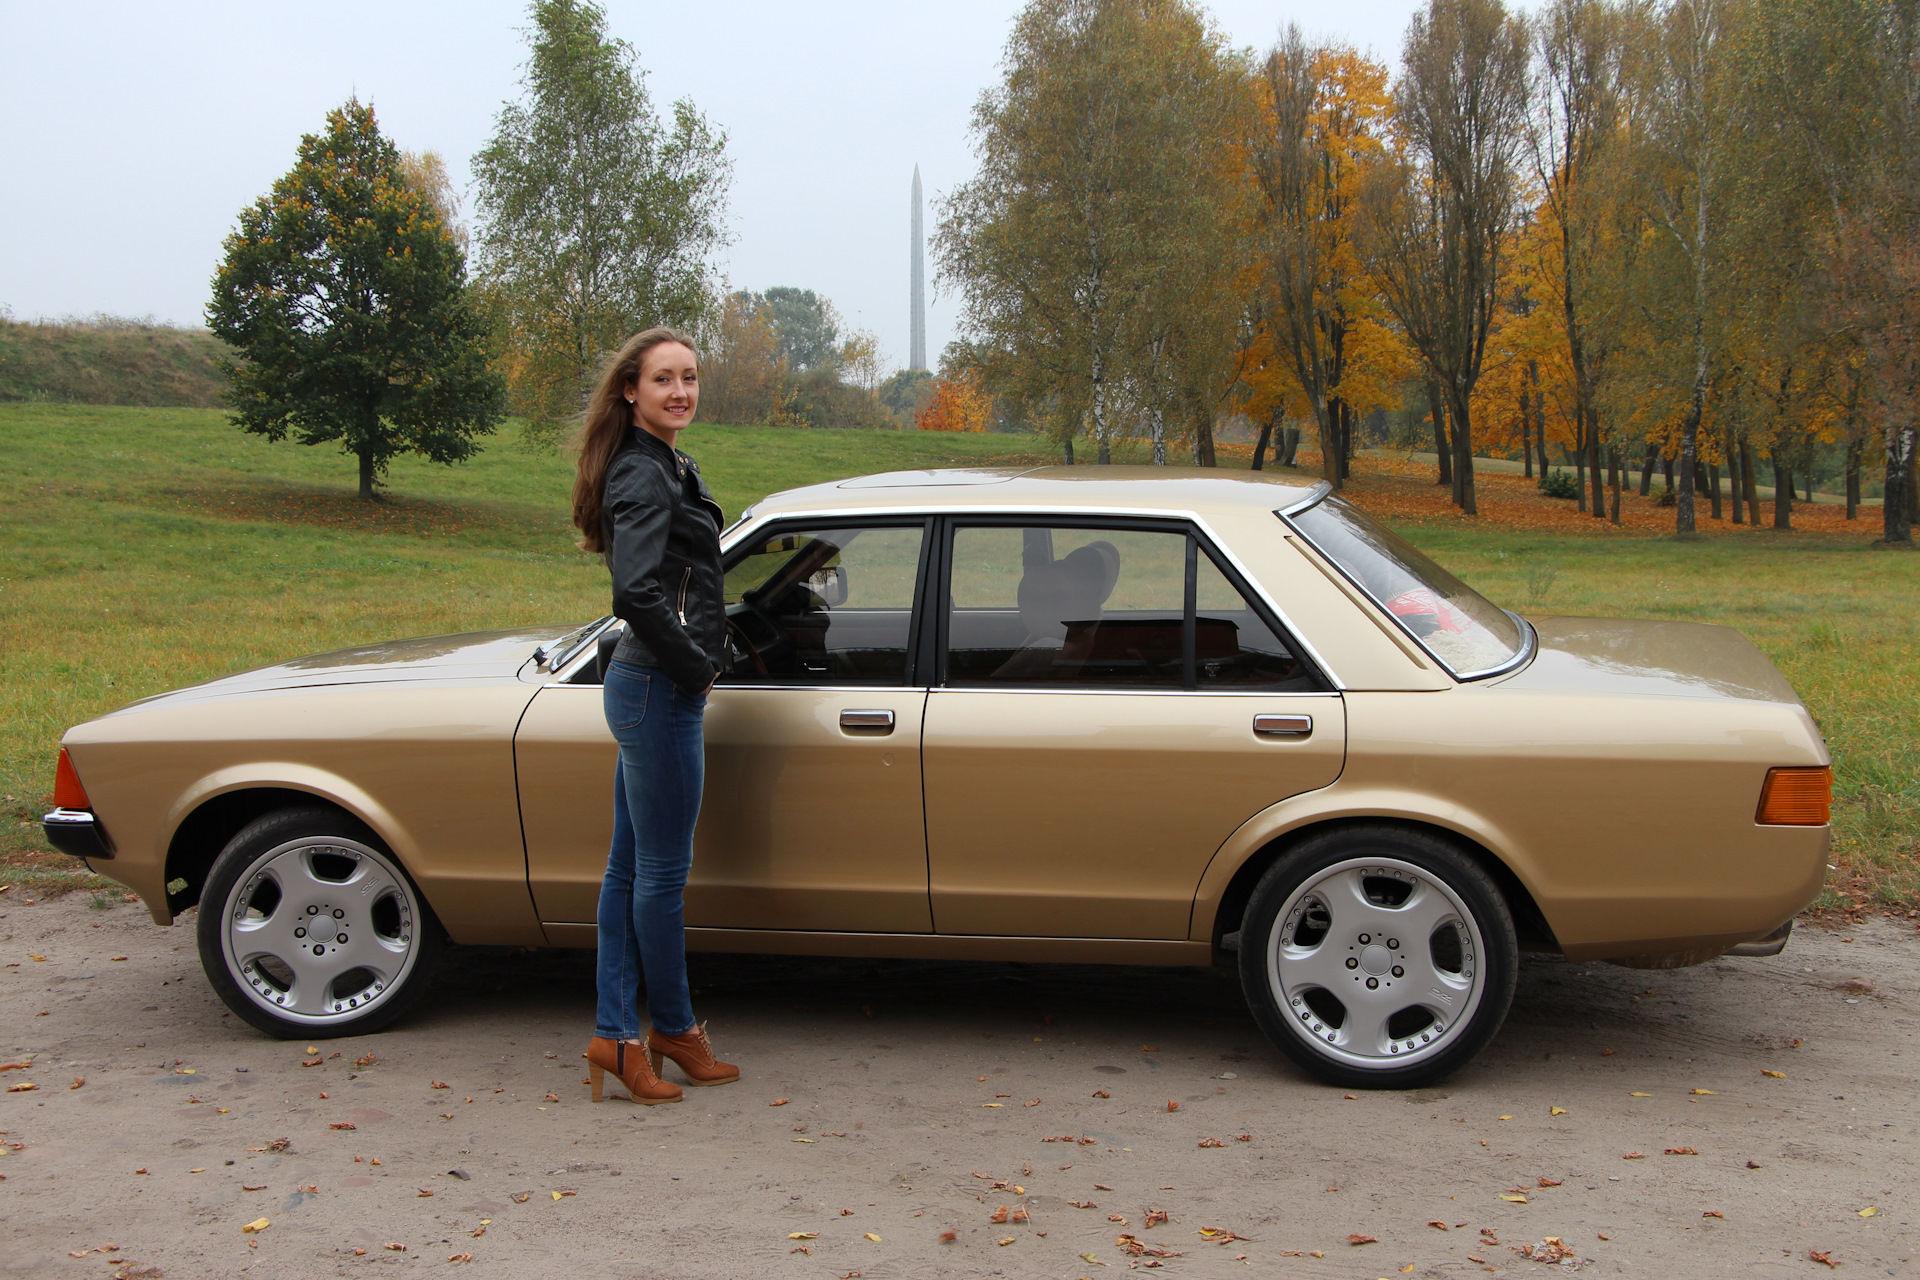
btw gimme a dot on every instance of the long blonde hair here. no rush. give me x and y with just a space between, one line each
605 424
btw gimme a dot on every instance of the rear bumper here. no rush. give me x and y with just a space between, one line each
77 832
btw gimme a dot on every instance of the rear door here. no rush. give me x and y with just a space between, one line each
1113 704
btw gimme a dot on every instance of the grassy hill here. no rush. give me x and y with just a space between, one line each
146 549
105 360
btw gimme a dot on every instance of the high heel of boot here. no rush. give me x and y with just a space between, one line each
628 1062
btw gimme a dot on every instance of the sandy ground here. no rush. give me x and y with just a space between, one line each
922 1097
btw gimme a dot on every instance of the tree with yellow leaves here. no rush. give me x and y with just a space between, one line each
960 403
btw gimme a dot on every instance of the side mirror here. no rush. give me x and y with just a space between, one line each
830 585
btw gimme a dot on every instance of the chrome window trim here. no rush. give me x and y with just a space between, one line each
1529 640
746 529
1135 693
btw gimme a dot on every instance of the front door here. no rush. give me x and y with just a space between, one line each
1113 707
812 818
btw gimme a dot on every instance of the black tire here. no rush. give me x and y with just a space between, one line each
260 908
1336 986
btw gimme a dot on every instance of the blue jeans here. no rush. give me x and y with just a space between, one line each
656 800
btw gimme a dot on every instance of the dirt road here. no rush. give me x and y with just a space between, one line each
889 1110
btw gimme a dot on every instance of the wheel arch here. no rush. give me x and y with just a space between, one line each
1228 902
212 812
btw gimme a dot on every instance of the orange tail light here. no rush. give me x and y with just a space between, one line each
1796 798
67 791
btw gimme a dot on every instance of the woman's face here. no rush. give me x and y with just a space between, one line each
667 391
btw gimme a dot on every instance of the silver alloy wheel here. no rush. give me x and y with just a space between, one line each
320 929
1376 962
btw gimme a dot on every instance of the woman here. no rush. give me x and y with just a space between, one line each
641 504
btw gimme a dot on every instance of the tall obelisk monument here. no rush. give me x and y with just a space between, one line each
917 340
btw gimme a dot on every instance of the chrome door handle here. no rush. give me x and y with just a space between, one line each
882 720
1283 726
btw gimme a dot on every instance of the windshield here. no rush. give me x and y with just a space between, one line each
1465 631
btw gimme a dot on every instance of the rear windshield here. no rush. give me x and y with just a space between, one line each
1466 632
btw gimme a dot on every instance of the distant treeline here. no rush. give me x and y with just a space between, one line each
110 360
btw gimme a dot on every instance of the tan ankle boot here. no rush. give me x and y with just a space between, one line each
693 1053
627 1062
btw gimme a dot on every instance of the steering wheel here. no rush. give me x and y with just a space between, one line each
737 634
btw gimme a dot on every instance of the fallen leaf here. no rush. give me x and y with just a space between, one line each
312 1062
425 1193
1033 1102
1639 1095
803 1235
1153 1219
196 1171
1474 1257
1681 1151
21 1065
1549 1182
1245 1137
949 1235
873 1236
1220 1235
225 1111
1713 1213
1316 1253
257 1225
141 1169
478 1231
1004 1241
459 1257
993 1104
1608 1053
1870 1211
31 956
1513 1199
779 1102
1633 1155
366 1061
1172 1105
1118 1218
1753 1164
1406 1268
1098 1093
1437 1223
1083 1204
116 958
1603 1235
245 1187
1212 1142
1777 1075
1506 1117
520 1197
396 1246
344 1124
25 1086
1357 1238
448 1115
1101 1186
440 1084
1701 1093
559 1194
1824 1259
1556 1111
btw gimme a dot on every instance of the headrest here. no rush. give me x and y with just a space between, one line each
1072 588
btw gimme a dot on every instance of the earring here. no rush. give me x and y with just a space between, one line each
629 399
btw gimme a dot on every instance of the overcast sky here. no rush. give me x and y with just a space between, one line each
135 132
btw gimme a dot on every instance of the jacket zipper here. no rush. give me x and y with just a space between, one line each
685 578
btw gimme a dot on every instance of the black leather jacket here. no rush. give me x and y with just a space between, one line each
662 531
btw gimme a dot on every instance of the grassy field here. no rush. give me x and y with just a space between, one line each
144 549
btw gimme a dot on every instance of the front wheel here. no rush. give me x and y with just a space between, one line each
309 928
1378 958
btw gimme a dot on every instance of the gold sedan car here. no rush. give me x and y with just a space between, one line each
1110 715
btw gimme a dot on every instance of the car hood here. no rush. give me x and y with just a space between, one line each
475 655
1649 659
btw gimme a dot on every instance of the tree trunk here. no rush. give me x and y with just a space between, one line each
1666 471
1617 469
1442 448
1526 434
1735 486
366 476
1159 433
1203 454
1260 445
1599 481
1462 418
1104 455
1342 414
1897 499
1782 496
1646 473
1853 480
1580 462
1069 450
1751 483
1292 437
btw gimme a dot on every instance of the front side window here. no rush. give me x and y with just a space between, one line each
1465 631
1104 608
822 606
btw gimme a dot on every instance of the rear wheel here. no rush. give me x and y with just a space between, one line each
309 927
1378 958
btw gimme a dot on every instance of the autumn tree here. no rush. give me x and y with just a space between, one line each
344 293
1323 112
1437 215
1090 212
960 403
597 218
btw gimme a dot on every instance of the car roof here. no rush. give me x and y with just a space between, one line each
1126 488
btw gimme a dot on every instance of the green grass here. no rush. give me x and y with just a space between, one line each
109 361
145 549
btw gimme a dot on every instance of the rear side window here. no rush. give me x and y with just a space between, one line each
1105 608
